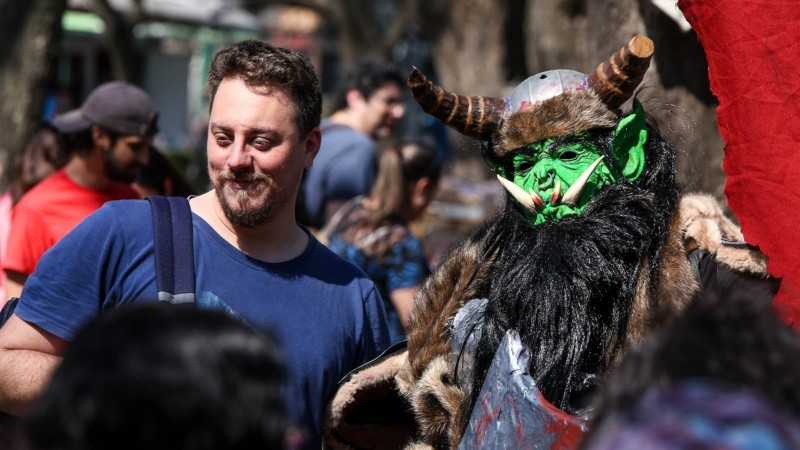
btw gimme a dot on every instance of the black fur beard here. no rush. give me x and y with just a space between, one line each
567 285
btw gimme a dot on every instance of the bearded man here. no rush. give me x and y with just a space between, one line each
594 249
107 143
251 258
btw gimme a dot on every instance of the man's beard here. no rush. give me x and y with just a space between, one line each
239 210
117 172
567 287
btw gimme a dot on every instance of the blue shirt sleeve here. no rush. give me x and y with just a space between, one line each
84 273
375 338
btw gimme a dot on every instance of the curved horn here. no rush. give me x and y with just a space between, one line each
614 80
475 116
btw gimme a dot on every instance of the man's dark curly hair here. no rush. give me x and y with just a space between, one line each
260 64
367 76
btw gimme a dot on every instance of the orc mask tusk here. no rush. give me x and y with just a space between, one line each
520 195
556 193
574 192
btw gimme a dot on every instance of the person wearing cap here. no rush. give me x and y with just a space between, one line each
252 259
108 140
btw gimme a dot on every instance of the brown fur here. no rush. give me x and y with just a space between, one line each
379 373
697 224
565 114
442 295
425 379
435 400
654 304
418 446
359 386
674 289
676 283
704 226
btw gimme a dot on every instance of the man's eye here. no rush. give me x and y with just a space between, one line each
222 140
568 155
262 144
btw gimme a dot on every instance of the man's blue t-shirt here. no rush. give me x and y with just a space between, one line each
325 313
345 167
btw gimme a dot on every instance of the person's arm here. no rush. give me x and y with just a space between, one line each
14 282
28 356
406 271
28 239
403 301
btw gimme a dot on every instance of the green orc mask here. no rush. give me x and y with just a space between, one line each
542 128
557 177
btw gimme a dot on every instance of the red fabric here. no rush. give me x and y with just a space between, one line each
48 212
753 52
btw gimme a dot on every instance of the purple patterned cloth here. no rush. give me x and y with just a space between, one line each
698 415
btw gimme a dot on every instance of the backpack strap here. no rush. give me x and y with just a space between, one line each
8 310
174 250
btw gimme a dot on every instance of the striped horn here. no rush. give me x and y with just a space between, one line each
478 117
615 80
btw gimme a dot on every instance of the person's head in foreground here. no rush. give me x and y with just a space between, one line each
157 377
723 376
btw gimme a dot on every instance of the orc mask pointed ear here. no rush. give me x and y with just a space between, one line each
630 138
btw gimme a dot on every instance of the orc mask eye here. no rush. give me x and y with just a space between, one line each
568 155
524 167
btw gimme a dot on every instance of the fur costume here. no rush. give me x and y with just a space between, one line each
579 289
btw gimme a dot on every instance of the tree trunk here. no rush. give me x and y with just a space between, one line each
468 47
675 90
124 55
31 32
556 35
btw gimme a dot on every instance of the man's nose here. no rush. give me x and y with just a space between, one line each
398 110
239 156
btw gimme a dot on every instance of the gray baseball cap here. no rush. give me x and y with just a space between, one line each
117 106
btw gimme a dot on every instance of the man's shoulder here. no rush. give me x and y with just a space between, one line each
342 136
129 206
131 214
45 191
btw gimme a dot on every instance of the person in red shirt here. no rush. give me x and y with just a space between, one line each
108 138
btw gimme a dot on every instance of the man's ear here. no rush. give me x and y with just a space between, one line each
423 192
101 137
311 147
629 141
355 98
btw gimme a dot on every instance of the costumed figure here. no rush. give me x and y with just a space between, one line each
594 248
